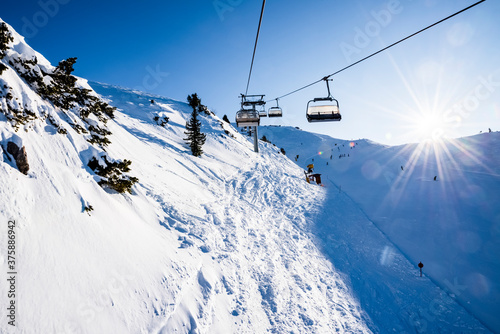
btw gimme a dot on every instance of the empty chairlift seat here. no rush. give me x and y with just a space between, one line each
275 111
323 110
246 117
248 114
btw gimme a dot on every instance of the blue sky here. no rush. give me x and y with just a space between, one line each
444 82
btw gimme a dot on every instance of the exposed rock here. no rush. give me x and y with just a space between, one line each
20 156
13 149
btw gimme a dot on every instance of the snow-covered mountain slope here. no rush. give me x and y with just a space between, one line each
217 244
452 224
231 242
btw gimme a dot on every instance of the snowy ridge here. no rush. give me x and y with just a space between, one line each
232 242
21 103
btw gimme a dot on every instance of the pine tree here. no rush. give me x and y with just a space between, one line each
66 66
5 39
225 119
62 74
195 137
194 101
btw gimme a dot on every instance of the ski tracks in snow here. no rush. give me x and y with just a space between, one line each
263 244
253 263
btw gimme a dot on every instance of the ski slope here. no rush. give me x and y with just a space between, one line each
231 242
451 224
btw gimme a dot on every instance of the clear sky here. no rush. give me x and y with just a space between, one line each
444 82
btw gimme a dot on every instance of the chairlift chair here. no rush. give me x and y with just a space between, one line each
247 117
263 112
275 111
323 112
323 109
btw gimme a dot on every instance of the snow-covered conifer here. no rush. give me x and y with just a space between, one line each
195 137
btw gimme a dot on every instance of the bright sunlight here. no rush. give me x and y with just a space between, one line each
430 126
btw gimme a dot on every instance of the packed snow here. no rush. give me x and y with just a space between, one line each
237 241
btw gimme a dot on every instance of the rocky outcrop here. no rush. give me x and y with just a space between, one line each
20 156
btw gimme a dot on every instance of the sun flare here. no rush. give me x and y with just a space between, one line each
429 126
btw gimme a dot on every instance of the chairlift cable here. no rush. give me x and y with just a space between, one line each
387 47
255 46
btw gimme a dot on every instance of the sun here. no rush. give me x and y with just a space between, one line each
429 126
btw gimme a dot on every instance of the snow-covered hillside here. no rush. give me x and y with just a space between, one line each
231 242
215 244
452 224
